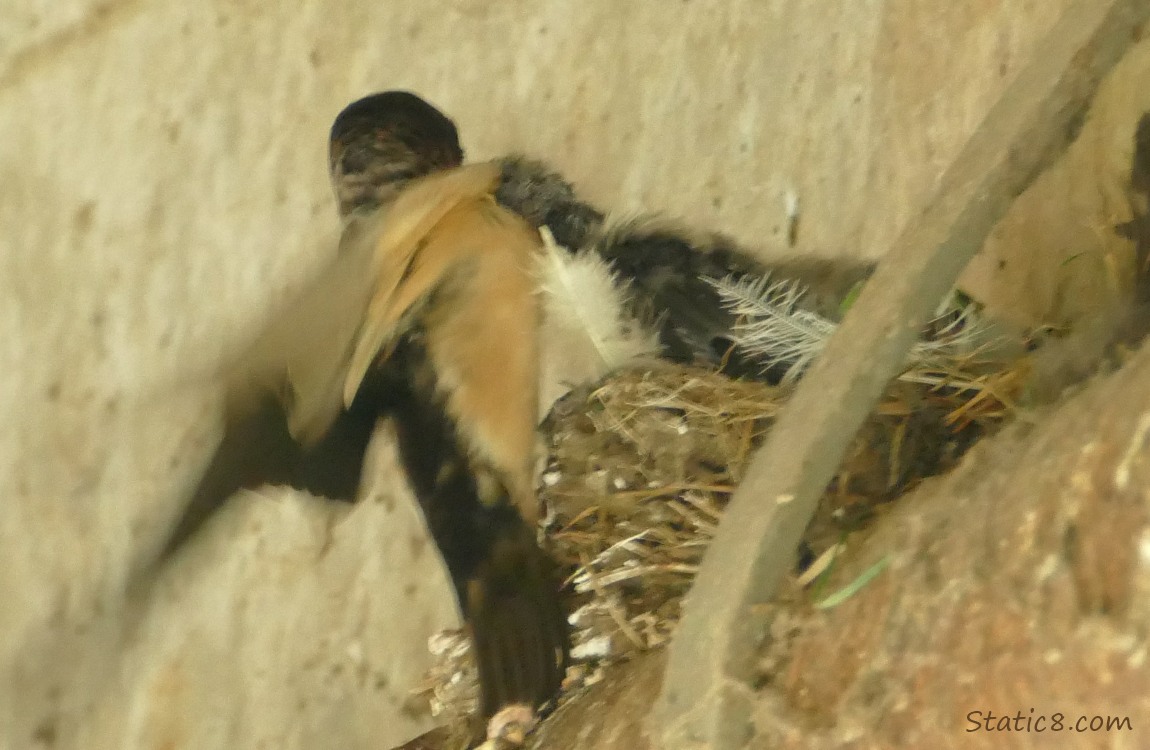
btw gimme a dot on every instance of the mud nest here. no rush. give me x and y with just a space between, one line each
641 466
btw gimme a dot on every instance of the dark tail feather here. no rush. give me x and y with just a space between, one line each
518 626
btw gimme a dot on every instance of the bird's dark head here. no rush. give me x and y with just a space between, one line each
382 141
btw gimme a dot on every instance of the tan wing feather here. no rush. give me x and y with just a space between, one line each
484 344
307 351
400 250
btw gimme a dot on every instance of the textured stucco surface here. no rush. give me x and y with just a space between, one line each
163 186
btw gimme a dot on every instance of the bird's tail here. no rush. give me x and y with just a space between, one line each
517 624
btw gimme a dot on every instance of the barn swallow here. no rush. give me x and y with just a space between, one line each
427 316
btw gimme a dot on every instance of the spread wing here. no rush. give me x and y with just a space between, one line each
315 352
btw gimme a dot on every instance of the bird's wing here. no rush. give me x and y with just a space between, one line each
408 267
483 341
338 324
301 353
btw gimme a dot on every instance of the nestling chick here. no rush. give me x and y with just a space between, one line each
666 275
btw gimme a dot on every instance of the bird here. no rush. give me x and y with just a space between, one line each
427 316
682 286
455 289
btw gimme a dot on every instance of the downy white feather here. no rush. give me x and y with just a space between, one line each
587 330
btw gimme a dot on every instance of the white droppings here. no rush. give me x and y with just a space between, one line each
791 204
598 647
